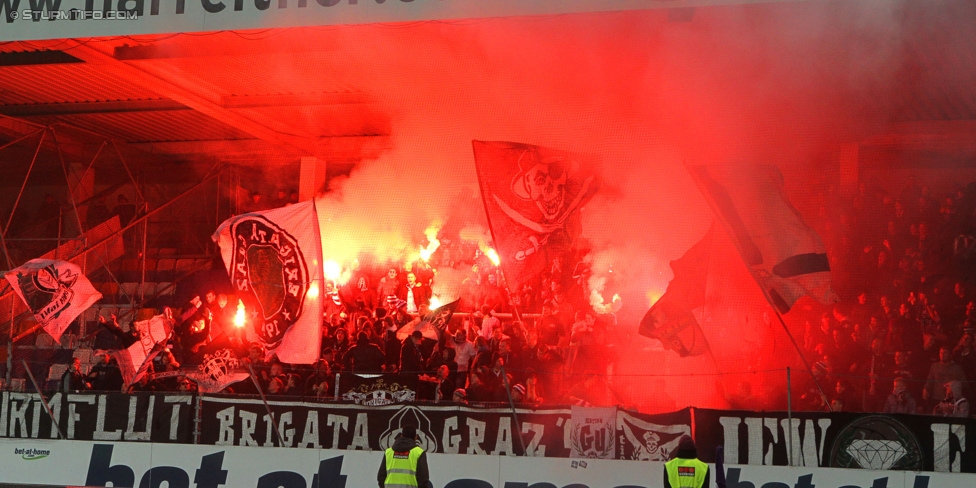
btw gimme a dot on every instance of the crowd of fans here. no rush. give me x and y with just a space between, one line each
363 332
903 341
900 341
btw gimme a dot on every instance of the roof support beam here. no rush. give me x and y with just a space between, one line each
333 148
181 90
162 104
77 108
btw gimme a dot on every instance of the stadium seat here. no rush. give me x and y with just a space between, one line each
147 289
185 266
130 291
166 269
109 291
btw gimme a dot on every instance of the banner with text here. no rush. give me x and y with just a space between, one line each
59 19
443 429
838 440
98 416
86 463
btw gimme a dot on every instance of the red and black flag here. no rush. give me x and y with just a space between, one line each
533 196
671 319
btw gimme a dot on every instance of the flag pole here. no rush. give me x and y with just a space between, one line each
515 306
47 407
511 403
799 352
751 254
267 407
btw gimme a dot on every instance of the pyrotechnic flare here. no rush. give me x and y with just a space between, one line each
241 316
313 291
491 254
432 242
332 270
600 305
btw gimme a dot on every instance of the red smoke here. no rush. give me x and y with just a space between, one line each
773 83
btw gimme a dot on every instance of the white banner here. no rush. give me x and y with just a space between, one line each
56 292
58 19
84 463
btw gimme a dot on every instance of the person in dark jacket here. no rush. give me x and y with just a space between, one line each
73 380
411 359
364 357
106 375
405 463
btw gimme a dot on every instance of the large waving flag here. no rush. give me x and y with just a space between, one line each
671 320
784 255
274 260
432 326
532 197
55 291
134 361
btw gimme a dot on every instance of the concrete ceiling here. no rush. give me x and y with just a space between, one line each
204 98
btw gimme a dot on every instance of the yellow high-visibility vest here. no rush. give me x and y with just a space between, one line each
686 473
401 468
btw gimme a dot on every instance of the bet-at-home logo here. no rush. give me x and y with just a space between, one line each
32 454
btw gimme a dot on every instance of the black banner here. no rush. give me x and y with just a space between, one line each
840 440
143 417
443 429
843 440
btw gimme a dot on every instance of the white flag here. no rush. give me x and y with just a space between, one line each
55 291
274 260
785 256
134 360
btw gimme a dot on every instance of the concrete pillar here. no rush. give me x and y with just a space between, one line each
311 177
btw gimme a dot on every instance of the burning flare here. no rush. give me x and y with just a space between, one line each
490 253
313 291
241 316
432 242
601 306
332 270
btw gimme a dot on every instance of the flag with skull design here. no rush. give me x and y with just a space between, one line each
56 292
533 196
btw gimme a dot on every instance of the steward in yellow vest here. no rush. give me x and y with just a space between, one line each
685 470
405 464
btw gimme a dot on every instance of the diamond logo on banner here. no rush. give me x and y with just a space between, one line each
876 442
876 454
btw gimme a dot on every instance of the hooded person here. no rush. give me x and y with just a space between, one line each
684 470
955 403
405 463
